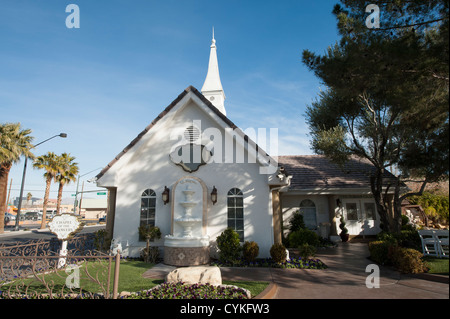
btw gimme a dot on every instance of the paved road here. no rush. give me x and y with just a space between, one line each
36 233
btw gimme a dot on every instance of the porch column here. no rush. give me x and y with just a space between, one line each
276 215
111 212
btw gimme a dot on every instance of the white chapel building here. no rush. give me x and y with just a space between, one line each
192 172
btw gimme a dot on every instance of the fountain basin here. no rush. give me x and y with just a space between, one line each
188 222
183 241
188 204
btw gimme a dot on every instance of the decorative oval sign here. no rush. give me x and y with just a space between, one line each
64 225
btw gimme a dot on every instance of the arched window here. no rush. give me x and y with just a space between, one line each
148 204
308 210
235 202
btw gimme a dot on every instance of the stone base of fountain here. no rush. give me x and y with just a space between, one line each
186 256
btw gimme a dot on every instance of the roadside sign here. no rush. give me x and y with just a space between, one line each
65 225
101 193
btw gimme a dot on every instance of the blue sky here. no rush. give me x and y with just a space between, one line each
106 81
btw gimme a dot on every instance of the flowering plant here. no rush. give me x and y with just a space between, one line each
297 263
181 290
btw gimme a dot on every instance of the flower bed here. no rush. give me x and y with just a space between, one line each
180 290
296 263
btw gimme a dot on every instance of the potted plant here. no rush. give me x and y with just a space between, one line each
344 231
149 233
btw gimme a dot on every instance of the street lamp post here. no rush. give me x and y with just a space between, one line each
63 135
75 203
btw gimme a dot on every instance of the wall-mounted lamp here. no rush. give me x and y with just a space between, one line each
214 195
165 195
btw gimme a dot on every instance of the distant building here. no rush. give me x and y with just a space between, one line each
25 202
93 208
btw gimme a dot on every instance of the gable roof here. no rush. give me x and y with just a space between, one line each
166 111
313 172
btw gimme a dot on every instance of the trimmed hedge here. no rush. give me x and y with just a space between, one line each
278 253
379 251
407 260
389 252
250 251
303 236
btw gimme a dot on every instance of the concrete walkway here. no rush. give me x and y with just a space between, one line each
345 278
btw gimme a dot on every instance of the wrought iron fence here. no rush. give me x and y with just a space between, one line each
36 269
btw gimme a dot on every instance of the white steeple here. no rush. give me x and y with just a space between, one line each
212 88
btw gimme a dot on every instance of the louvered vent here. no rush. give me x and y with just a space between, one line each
192 134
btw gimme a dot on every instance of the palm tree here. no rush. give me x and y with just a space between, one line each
29 197
14 142
50 163
68 173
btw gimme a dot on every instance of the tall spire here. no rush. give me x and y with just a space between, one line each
212 88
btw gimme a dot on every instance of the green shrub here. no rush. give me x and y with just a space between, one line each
229 245
437 203
343 226
278 253
149 233
406 225
431 213
250 250
388 237
101 240
150 254
406 238
306 251
379 251
410 239
407 260
296 222
303 236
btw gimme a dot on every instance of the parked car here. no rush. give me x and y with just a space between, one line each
9 218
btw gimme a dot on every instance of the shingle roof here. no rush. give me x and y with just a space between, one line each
317 172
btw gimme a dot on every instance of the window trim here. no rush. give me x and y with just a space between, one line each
236 193
147 194
309 207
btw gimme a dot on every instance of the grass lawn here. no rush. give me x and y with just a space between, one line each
438 265
255 287
130 279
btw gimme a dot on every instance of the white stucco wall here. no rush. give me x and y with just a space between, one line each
291 203
147 165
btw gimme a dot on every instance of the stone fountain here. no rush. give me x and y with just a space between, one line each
188 244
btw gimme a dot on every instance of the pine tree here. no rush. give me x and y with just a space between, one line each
387 96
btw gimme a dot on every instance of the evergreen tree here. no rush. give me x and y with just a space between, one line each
387 96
